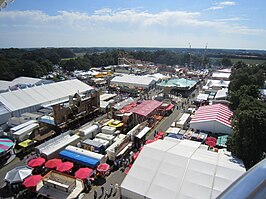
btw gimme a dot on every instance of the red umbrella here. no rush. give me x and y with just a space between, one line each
32 181
149 141
158 137
37 162
141 148
103 167
210 143
83 173
211 139
160 133
53 163
65 166
135 155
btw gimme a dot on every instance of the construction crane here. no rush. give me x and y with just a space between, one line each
204 54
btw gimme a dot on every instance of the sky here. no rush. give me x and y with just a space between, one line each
238 24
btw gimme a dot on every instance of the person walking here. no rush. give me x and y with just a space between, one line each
106 194
116 188
102 188
95 194
111 188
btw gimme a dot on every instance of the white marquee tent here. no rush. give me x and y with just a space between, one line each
179 169
31 99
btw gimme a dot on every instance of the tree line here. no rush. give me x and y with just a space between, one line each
39 62
31 63
248 140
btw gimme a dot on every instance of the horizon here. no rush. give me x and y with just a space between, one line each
134 24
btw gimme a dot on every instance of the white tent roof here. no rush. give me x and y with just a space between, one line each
221 75
180 169
221 93
41 95
133 79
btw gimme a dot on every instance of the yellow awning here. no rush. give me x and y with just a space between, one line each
26 143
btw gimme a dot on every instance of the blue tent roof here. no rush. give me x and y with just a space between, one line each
177 136
78 158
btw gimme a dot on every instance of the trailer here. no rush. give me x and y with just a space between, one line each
89 131
24 133
109 138
51 148
183 121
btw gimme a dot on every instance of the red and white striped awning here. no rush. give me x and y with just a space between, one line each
216 112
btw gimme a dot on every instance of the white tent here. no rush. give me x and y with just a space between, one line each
213 118
133 80
179 169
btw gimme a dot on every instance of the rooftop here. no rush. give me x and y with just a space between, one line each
181 83
180 169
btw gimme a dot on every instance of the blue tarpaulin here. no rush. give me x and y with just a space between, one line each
78 158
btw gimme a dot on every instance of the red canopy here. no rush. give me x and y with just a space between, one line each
37 162
141 148
135 155
32 181
83 173
65 166
210 143
103 167
53 163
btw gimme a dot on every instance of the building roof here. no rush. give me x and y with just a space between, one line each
107 96
180 83
26 81
221 75
216 112
216 83
41 95
146 107
133 79
123 103
225 70
202 96
180 169
221 93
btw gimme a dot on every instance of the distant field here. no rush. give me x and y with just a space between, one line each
247 61
65 59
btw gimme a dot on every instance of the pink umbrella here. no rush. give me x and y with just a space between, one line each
103 167
84 173
65 166
37 162
32 181
53 163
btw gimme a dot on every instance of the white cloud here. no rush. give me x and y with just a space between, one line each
221 5
107 27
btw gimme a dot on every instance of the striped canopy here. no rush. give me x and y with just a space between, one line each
216 112
5 144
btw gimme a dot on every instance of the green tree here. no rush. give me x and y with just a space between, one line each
226 62
249 137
